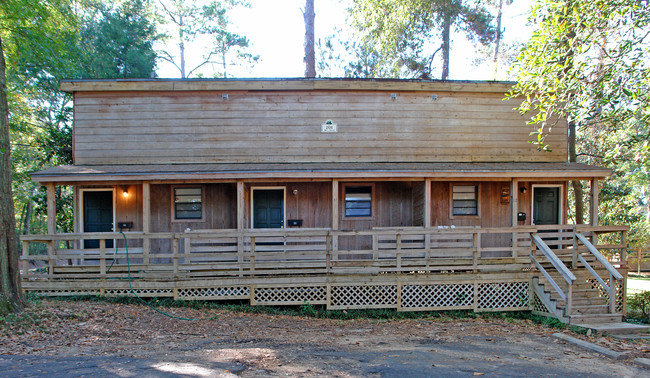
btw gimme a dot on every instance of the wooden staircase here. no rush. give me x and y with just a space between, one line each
575 286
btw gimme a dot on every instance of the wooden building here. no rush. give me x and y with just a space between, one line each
413 195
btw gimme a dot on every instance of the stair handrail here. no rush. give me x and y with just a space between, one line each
568 276
613 273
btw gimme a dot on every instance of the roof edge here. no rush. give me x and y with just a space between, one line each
284 84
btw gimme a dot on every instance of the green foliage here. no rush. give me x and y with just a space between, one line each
204 23
638 306
118 42
396 36
587 62
51 40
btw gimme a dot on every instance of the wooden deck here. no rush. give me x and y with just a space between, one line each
409 269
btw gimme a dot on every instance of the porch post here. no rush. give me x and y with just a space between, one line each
146 221
335 204
514 208
514 201
51 209
241 204
427 202
594 202
335 215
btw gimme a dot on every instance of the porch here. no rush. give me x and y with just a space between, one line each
407 268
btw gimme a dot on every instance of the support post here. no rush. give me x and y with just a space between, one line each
51 209
514 209
335 214
427 203
594 202
612 294
594 209
241 205
146 222
102 258
25 258
335 204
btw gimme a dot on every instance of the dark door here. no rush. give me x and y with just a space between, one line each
546 208
268 208
98 215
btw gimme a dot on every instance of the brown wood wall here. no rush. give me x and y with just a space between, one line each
312 203
283 126
220 209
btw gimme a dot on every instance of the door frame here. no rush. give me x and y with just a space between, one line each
560 213
82 208
284 203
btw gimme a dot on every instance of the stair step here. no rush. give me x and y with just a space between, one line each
595 319
590 309
617 328
584 301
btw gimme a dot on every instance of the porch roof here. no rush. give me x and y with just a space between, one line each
282 171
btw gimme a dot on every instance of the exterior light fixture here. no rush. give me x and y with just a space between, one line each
224 96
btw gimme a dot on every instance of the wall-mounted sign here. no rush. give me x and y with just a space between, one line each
329 127
505 195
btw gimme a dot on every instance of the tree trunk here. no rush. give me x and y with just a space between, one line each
181 45
578 192
446 43
10 290
497 41
310 53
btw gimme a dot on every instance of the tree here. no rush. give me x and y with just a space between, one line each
310 53
402 31
118 42
587 62
207 24
28 28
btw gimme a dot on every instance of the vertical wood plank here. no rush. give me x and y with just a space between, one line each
50 258
102 258
187 246
427 202
25 258
146 222
335 216
335 204
241 205
51 209
175 255
594 202
146 207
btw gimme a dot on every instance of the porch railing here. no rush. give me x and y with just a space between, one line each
272 252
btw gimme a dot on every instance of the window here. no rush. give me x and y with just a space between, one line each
188 203
464 200
358 201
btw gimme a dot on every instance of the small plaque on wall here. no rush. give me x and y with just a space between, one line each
329 127
505 195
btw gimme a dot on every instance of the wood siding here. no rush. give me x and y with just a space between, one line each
285 126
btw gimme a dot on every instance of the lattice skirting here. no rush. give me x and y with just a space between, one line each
403 296
437 297
507 295
538 306
212 293
63 292
290 295
141 292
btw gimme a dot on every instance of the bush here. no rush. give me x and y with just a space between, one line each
638 306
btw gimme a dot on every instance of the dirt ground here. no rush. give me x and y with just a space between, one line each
230 343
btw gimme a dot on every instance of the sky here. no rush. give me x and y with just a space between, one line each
275 29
